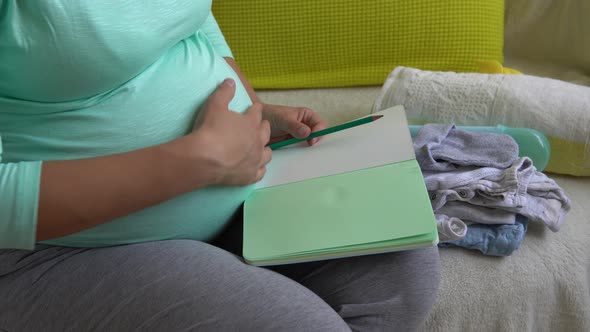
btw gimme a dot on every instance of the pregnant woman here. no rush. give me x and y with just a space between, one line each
129 140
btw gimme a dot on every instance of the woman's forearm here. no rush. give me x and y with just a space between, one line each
79 194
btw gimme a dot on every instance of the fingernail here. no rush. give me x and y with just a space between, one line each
301 131
229 82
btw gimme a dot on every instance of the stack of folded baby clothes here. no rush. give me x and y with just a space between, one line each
483 194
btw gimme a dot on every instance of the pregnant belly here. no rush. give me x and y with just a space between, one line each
155 107
198 215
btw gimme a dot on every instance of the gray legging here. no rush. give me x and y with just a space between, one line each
184 285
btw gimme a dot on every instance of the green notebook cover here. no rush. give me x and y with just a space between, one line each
365 211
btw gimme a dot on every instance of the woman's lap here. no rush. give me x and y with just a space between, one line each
159 286
376 291
189 285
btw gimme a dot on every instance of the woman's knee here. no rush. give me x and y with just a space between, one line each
394 290
422 268
413 288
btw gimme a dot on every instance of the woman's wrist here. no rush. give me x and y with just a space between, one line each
190 162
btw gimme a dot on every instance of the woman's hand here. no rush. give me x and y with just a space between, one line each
236 143
287 122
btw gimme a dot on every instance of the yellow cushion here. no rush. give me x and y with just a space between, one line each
330 43
569 157
494 67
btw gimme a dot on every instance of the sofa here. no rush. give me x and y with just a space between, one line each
545 284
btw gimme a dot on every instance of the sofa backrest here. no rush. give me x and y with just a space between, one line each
549 31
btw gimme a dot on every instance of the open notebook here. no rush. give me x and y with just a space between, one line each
360 191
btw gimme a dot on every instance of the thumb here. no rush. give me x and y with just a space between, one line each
222 96
293 127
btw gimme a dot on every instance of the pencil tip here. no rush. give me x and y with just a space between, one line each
377 117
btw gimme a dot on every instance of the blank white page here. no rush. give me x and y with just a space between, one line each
378 143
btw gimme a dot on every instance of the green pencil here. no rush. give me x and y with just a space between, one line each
326 131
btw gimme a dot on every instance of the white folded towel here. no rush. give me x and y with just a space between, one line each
557 109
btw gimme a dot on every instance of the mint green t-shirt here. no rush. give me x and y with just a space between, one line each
90 78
